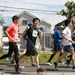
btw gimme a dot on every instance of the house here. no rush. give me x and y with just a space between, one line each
62 23
46 39
25 19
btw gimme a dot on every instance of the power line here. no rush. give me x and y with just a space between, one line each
25 3
32 10
7 8
28 9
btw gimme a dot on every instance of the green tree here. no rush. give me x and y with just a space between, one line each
70 9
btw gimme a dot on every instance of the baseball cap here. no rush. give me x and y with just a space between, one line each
60 26
15 17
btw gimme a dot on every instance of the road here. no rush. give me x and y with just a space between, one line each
7 69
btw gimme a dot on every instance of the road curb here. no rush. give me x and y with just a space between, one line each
42 73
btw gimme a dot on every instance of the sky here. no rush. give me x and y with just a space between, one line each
44 9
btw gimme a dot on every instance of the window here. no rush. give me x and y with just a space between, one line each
26 22
42 28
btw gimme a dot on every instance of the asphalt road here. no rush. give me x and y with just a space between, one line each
8 69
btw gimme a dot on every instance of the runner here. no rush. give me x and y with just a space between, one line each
33 64
69 58
32 33
57 44
67 43
12 33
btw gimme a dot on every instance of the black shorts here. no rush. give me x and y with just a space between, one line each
68 48
58 47
31 50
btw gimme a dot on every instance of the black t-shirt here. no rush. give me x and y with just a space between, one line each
32 34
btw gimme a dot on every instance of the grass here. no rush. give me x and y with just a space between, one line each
43 57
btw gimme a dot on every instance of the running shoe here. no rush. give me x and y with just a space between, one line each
8 59
50 63
55 65
68 62
21 67
12 63
34 65
40 70
16 68
74 68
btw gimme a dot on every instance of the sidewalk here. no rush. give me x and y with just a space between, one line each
7 69
45 73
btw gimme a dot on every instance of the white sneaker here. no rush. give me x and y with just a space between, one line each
74 68
50 63
21 66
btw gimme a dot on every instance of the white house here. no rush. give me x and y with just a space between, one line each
25 19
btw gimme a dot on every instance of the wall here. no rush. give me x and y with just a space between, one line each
1 33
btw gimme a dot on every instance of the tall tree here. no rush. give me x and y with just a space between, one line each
70 9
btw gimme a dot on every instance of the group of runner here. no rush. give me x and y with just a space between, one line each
64 42
32 31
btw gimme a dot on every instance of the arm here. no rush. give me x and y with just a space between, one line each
70 40
25 31
19 36
39 34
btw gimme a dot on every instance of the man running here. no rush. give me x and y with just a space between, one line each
32 32
67 43
12 33
57 44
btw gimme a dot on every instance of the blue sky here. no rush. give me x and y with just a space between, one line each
47 5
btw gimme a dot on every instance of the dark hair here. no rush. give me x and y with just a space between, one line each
67 22
15 17
35 19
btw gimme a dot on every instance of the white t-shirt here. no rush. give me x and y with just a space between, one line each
67 32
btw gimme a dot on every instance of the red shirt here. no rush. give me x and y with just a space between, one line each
13 32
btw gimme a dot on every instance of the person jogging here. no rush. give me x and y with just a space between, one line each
67 43
32 32
57 44
69 58
12 33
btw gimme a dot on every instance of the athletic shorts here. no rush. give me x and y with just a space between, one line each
58 47
31 50
68 48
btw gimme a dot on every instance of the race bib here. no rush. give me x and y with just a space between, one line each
34 33
16 36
